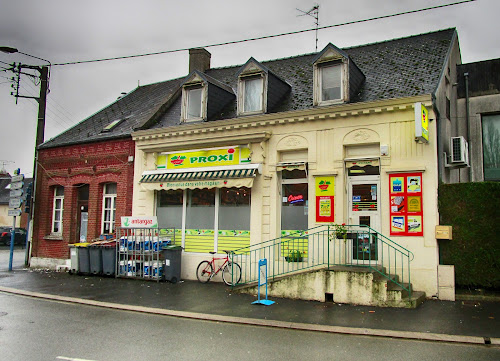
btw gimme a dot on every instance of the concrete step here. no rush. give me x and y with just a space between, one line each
396 296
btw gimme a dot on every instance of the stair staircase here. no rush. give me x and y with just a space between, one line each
340 284
351 264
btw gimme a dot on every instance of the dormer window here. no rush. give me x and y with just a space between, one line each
259 89
193 108
252 89
336 78
193 103
204 98
331 82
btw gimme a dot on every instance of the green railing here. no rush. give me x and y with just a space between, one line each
325 246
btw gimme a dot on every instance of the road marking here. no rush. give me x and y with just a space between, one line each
72 359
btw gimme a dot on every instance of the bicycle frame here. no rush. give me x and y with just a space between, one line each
217 270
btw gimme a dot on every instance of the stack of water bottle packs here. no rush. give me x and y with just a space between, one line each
139 256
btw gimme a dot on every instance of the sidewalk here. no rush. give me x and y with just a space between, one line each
460 321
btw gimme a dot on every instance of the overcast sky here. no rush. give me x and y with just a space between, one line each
70 30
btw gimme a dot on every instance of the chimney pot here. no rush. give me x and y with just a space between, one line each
199 59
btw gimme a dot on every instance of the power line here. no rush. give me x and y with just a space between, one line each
64 127
268 36
50 107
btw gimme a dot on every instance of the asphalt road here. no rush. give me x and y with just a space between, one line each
35 329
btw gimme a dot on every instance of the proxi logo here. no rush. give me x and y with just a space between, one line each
177 160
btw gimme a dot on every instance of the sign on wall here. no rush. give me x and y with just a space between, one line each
406 210
325 198
203 158
421 123
139 222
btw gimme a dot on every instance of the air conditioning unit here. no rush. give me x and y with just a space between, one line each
459 151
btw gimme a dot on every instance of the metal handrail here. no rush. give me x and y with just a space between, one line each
325 246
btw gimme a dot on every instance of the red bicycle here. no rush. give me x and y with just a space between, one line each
231 271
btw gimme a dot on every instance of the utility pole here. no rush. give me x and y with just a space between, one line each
40 129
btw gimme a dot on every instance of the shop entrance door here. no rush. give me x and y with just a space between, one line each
294 214
364 209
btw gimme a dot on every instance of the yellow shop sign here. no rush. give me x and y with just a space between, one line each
203 158
421 123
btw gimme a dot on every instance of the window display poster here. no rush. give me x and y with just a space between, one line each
406 209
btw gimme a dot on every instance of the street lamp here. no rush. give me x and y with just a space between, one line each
40 129
9 50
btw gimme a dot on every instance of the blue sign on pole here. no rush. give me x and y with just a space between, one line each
262 282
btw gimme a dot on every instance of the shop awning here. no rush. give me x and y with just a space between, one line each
290 166
213 177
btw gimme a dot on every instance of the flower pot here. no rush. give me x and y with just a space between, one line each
293 259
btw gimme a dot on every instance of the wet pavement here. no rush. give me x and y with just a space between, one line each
461 318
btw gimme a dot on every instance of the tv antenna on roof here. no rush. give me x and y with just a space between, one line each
4 162
314 12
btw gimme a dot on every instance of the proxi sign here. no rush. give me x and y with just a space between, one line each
204 158
139 222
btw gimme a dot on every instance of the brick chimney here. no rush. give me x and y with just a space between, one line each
199 59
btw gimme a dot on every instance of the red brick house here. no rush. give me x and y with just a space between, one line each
85 175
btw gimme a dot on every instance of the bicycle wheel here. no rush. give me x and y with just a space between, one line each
204 271
231 274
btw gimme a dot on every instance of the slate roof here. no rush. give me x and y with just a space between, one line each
137 107
395 68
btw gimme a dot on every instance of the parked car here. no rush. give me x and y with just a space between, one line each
19 236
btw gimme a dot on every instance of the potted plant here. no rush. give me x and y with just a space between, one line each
294 256
340 231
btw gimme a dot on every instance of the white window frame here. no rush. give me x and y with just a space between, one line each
318 79
242 92
55 210
185 102
112 210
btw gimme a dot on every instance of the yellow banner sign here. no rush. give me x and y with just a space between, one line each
203 158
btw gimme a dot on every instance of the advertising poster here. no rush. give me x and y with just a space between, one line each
325 206
413 184
325 198
397 184
397 224
406 207
414 204
397 204
414 224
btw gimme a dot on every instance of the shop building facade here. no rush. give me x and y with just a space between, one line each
259 151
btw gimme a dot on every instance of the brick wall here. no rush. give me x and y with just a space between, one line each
92 164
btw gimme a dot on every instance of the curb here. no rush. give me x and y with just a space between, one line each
424 336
